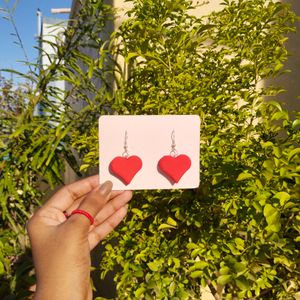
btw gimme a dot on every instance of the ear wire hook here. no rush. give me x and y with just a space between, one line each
125 153
173 146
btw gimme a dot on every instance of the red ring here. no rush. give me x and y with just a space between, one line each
84 213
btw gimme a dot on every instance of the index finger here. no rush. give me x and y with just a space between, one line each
65 197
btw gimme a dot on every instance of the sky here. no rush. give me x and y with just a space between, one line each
26 22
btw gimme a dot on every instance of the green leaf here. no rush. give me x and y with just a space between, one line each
283 197
293 153
280 115
239 267
275 104
183 295
139 292
172 288
297 239
171 222
196 274
192 246
277 152
200 265
84 167
91 70
154 266
224 279
242 283
131 55
216 253
273 218
274 227
278 67
267 144
282 260
138 273
225 270
269 210
137 212
108 247
165 226
296 123
240 243
176 262
244 176
2 270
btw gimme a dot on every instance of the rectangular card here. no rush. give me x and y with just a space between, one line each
150 151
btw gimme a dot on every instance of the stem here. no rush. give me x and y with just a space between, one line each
214 292
12 20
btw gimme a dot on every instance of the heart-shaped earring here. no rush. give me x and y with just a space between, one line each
174 166
125 167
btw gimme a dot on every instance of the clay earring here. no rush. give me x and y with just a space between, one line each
125 167
174 166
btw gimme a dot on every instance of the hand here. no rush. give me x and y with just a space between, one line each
61 247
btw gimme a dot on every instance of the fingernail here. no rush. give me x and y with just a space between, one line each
105 187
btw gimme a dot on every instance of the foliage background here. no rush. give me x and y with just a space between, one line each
239 232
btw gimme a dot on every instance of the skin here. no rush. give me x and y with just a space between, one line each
61 246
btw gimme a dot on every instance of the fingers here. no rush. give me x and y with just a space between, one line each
92 204
77 202
101 231
65 197
112 206
109 217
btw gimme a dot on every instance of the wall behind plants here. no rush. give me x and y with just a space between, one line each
289 80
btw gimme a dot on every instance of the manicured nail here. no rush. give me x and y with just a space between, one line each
106 187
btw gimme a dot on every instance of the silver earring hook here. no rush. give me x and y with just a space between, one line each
125 153
173 146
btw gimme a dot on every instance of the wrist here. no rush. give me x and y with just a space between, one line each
50 293
62 288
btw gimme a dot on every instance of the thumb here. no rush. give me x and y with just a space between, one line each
92 204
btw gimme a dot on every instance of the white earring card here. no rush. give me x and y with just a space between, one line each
150 151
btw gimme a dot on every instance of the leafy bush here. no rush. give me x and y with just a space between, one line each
36 147
19 195
238 233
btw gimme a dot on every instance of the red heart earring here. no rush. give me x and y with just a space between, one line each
125 167
174 166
